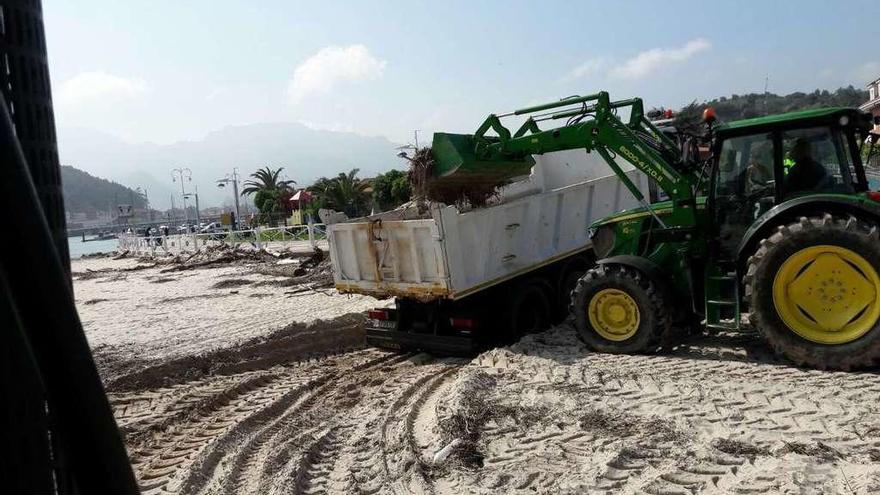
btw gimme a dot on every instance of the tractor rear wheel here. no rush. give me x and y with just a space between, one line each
814 292
619 310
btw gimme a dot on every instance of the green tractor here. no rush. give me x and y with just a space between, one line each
777 222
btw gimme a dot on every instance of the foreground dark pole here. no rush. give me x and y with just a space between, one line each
25 85
57 430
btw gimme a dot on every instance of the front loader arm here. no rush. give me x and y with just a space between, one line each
603 132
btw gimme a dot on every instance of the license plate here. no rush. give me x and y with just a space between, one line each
387 325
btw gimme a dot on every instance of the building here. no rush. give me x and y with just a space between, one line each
873 103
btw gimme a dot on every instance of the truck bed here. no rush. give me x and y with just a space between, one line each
453 254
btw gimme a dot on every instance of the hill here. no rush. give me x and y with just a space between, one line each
736 107
84 192
306 154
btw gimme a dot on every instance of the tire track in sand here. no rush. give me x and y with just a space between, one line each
161 460
283 432
786 428
375 446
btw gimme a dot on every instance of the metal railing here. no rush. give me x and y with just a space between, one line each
297 237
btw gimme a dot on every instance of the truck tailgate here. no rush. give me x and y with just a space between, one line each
389 258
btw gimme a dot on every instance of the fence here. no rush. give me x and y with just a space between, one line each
297 238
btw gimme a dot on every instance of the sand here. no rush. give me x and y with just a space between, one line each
153 314
222 392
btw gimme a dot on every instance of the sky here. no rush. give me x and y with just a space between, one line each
166 71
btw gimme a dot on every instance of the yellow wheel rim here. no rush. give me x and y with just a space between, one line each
827 294
614 314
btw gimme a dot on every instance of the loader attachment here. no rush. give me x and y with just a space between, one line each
468 164
456 165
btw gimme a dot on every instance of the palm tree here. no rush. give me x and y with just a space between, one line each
266 179
269 193
345 192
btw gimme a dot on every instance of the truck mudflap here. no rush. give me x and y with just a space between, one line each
437 344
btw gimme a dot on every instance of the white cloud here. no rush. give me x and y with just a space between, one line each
331 66
867 72
588 68
649 61
87 87
216 92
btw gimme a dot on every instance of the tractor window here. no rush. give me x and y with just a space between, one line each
744 187
872 166
816 159
745 167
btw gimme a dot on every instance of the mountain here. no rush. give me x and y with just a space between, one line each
84 192
305 154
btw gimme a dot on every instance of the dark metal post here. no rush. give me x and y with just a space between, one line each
24 82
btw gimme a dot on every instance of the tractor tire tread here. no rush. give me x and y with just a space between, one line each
761 270
662 332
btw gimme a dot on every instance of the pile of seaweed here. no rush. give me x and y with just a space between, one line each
421 173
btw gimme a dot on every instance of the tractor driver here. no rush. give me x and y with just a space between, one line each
806 174
759 172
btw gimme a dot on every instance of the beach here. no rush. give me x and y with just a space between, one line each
238 376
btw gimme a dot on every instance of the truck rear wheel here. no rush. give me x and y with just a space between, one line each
619 310
814 292
529 310
567 284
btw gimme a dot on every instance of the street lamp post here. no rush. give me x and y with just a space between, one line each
234 180
143 192
198 215
181 173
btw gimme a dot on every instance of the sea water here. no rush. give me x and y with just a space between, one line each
78 248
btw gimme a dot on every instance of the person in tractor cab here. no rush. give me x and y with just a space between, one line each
759 173
806 174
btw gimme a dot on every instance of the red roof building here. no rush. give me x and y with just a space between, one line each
873 103
300 199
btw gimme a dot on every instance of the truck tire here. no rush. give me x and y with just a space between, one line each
529 310
566 284
618 309
814 292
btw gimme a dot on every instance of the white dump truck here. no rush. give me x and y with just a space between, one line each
465 279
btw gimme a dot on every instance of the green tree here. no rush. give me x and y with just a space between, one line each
346 192
269 193
266 200
391 189
737 107
689 119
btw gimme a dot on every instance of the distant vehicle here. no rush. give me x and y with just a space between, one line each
211 228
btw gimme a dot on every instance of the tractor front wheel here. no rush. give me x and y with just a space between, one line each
814 292
619 310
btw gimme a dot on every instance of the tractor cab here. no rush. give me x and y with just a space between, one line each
762 163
